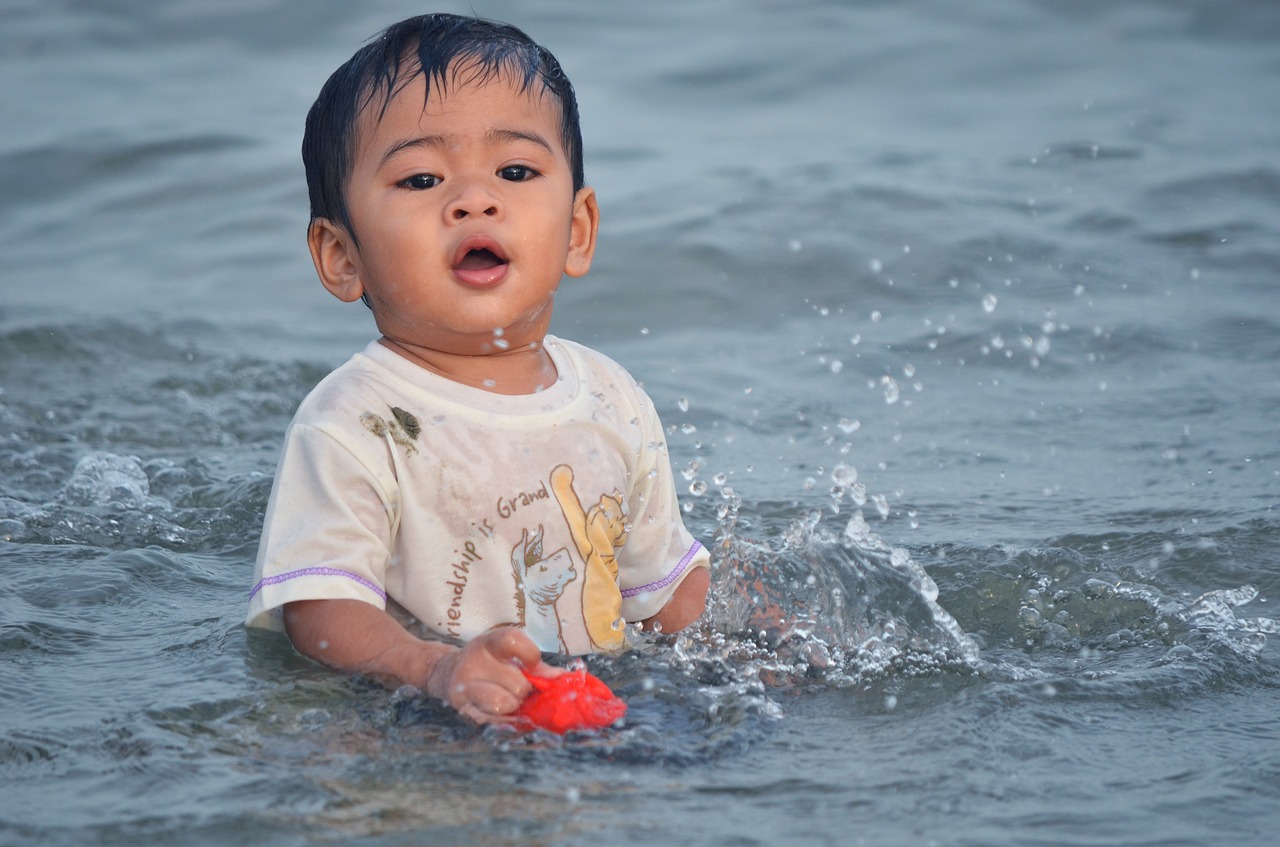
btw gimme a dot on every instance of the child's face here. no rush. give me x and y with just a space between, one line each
466 218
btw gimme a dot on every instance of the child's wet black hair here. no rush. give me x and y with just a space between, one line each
428 45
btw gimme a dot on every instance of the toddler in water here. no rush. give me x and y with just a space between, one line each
507 490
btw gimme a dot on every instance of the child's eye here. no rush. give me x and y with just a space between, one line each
421 182
517 173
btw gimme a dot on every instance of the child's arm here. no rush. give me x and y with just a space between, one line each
685 606
480 680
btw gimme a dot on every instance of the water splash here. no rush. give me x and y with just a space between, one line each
821 608
120 501
1057 599
101 478
1212 615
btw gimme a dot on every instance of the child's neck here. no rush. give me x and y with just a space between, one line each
524 370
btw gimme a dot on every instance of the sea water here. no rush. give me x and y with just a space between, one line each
962 318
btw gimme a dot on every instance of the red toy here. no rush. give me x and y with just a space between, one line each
575 700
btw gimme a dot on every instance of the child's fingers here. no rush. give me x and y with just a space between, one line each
488 673
487 702
511 643
477 715
487 683
547 671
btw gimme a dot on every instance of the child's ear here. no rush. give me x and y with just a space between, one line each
582 232
336 258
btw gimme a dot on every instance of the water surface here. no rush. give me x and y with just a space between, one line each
962 319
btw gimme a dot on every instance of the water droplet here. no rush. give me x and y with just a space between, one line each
698 487
989 303
891 391
849 426
720 478
882 504
501 343
836 366
688 429
876 266
683 404
856 529
794 246
644 330
844 475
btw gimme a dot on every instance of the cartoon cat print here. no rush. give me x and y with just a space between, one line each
597 532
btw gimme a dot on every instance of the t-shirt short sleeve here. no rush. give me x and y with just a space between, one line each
328 528
659 552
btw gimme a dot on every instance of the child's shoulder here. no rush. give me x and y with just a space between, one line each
367 377
597 365
607 380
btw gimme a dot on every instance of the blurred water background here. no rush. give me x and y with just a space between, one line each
963 319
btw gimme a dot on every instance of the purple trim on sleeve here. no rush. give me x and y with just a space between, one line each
285 577
669 578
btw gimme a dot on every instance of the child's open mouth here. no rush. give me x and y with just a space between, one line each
479 262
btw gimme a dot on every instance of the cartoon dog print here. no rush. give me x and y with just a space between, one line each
541 580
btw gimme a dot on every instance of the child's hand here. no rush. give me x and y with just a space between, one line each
483 680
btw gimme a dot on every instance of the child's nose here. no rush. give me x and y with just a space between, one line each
473 200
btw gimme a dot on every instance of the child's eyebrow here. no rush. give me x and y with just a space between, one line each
493 136
427 141
520 135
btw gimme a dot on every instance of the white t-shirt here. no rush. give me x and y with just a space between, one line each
554 511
